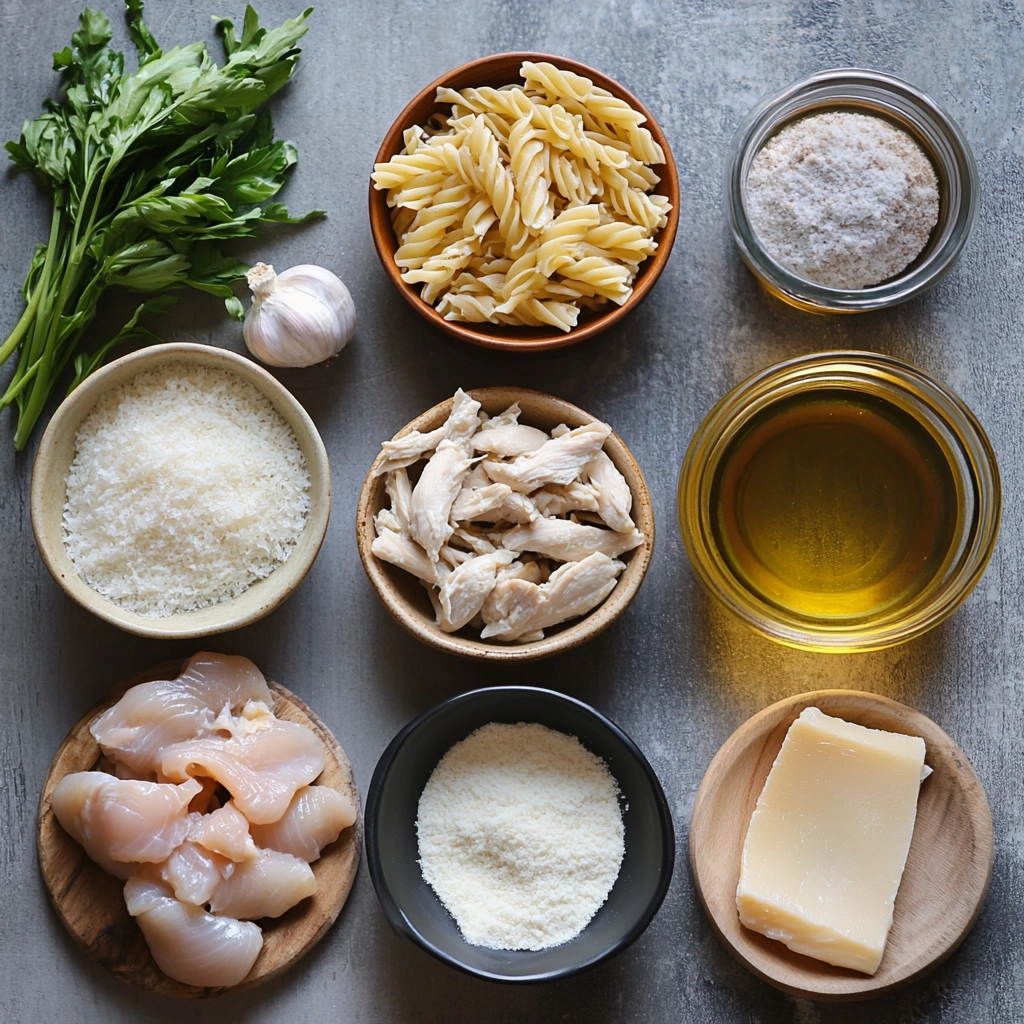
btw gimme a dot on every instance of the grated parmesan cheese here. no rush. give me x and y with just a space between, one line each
186 487
520 835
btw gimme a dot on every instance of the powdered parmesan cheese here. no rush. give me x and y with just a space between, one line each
186 487
520 835
842 199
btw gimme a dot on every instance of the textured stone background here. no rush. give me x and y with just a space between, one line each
672 672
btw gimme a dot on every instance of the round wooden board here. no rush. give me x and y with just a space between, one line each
91 903
944 882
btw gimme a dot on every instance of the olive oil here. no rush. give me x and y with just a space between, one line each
835 505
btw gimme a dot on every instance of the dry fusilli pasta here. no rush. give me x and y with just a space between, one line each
527 203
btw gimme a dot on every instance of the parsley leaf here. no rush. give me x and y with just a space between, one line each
149 174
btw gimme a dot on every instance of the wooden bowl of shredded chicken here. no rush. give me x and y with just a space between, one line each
411 601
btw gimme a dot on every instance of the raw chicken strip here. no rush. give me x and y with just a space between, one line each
122 819
193 873
568 541
556 499
464 590
225 831
315 817
509 441
154 715
67 805
573 589
614 499
206 801
400 550
558 461
261 769
187 943
265 887
459 428
433 495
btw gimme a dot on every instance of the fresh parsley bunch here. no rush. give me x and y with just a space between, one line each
149 174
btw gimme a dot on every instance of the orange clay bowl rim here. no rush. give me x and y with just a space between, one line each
494 71
407 600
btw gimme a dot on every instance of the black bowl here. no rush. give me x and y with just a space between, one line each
411 905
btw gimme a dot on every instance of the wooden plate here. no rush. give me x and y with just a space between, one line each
948 868
90 902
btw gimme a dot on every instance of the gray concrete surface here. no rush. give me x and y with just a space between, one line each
673 672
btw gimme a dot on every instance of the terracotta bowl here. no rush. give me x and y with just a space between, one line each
497 70
404 596
49 489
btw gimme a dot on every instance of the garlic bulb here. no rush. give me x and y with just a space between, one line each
300 317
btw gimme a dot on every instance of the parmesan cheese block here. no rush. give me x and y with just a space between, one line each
829 838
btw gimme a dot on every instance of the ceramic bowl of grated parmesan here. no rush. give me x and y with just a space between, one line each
850 191
543 830
180 491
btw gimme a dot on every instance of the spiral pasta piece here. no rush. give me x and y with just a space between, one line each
527 203
526 155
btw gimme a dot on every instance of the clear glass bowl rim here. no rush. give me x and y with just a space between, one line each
702 458
875 91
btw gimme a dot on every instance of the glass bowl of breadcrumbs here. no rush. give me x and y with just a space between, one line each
850 191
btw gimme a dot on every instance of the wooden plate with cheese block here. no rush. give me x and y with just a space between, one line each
90 902
947 870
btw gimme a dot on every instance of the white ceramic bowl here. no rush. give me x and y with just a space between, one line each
49 491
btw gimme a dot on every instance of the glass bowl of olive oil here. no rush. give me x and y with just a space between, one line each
841 501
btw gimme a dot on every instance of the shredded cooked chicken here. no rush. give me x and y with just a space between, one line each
566 541
487 517
573 590
509 440
433 495
558 461
613 498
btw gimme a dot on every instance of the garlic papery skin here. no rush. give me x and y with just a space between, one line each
300 317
